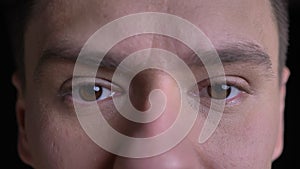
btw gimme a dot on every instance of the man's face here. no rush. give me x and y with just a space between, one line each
249 134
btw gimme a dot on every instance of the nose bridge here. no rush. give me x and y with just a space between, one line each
141 87
181 156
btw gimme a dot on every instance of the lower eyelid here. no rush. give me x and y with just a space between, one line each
206 101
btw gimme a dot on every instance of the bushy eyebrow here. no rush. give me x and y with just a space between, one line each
246 53
232 53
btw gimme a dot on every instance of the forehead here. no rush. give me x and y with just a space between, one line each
75 21
219 19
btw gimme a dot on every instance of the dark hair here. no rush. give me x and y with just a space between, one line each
24 7
280 11
17 19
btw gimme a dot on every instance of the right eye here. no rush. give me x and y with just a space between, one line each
91 92
86 90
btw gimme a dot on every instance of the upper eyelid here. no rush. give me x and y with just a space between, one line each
82 80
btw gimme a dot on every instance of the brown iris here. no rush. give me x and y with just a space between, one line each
219 91
90 92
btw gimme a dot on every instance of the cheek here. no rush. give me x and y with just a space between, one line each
58 141
243 139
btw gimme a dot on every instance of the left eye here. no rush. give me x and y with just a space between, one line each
222 91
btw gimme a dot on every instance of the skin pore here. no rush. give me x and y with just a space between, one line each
250 134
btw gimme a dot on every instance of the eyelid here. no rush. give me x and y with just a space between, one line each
86 80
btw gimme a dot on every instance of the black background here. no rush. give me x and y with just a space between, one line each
7 94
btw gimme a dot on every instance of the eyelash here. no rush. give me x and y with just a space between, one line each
238 85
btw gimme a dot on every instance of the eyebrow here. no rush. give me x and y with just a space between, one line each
240 52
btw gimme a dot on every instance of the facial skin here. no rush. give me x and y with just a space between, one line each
250 133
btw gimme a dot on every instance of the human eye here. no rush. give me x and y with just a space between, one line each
221 91
87 90
232 91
